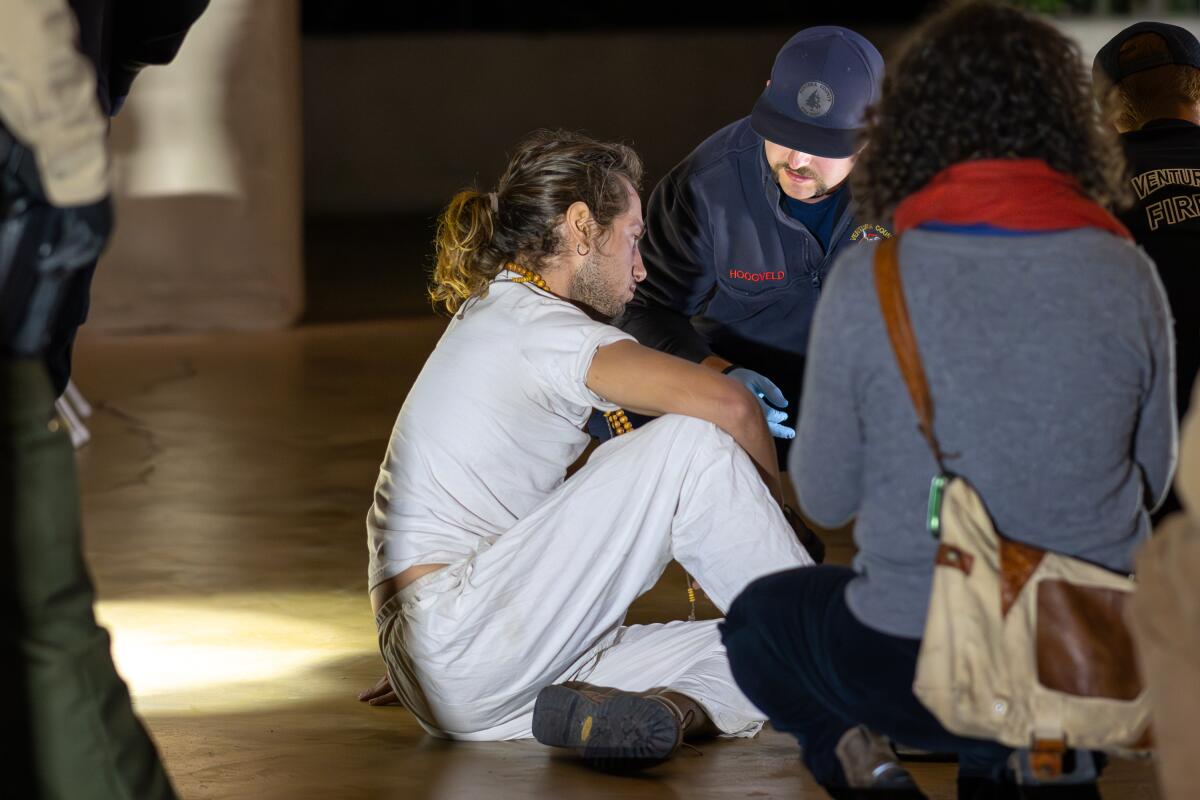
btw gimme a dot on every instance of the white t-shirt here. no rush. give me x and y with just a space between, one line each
489 428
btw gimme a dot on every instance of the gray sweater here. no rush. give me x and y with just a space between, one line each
1050 362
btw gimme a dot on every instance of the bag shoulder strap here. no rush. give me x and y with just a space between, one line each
904 342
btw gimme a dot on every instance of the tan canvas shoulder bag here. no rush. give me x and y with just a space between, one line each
1022 646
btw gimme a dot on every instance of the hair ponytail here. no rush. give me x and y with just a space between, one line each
465 262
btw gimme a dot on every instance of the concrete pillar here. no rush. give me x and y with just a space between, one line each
208 181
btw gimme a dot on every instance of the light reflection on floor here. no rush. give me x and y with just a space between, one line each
224 653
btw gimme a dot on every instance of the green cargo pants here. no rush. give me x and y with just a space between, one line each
67 709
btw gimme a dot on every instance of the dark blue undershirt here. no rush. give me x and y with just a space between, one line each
821 217
983 229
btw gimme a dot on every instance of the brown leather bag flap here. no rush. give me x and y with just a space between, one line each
1083 645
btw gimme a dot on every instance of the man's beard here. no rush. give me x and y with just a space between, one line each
818 186
588 287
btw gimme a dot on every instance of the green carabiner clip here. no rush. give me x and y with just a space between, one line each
933 514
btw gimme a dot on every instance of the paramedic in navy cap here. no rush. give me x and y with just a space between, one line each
742 233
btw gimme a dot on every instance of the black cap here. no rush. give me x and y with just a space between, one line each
821 84
1118 61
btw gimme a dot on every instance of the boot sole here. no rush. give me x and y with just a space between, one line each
618 734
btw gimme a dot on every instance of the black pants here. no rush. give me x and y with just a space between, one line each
72 313
800 655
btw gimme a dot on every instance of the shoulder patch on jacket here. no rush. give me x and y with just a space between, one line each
870 233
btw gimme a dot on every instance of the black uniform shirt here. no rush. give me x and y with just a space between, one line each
1164 159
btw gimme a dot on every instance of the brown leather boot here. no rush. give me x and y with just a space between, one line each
611 729
871 769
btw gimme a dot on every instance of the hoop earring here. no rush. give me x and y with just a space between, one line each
580 251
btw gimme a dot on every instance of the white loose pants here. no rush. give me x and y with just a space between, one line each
468 647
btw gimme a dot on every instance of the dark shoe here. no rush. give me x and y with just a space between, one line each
871 768
807 536
1070 791
612 730
844 793
970 788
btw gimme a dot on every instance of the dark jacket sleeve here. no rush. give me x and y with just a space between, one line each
680 274
145 33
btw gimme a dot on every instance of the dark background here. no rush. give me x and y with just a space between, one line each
404 106
321 17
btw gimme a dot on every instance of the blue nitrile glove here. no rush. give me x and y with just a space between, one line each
769 397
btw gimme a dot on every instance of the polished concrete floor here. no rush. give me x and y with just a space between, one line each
224 495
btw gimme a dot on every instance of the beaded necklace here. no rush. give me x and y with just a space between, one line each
618 421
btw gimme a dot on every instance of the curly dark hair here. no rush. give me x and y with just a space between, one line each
984 80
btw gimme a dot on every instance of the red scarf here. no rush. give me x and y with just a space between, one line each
1017 194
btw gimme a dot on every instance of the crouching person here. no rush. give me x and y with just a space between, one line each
1045 338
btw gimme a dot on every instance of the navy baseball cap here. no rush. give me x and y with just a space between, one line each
822 82
1118 60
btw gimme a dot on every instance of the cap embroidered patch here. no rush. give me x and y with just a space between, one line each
815 99
821 84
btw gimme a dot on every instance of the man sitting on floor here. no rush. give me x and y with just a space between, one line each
499 587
